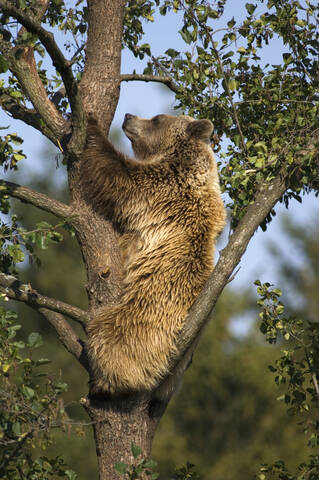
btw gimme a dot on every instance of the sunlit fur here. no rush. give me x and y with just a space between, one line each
167 208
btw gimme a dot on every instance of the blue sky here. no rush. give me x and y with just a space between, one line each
147 99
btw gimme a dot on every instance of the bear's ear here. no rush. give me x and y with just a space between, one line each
201 129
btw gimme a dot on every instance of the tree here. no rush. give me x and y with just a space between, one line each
267 113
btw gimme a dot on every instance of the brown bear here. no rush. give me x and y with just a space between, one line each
166 204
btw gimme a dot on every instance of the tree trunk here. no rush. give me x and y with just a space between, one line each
116 422
100 88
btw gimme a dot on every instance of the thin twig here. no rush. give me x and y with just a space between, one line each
150 78
75 56
8 459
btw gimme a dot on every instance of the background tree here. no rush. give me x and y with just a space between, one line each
268 113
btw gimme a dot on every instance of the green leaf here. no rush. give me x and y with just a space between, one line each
121 467
61 387
20 344
16 140
250 7
16 94
150 463
186 36
18 156
27 392
16 253
43 361
232 85
71 475
16 428
4 66
172 53
35 340
136 450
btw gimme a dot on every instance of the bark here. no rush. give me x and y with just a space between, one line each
116 422
134 77
37 199
99 87
100 84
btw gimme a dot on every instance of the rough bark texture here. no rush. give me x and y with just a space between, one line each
116 425
100 87
116 422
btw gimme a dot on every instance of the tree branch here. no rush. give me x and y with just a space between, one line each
66 335
31 117
101 76
15 290
22 64
24 68
37 199
62 66
47 38
37 12
129 77
267 196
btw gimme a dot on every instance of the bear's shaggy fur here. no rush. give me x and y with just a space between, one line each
167 208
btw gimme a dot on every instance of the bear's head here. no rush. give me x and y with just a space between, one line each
164 133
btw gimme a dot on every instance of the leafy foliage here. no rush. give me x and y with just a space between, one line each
30 404
268 113
145 468
142 467
136 12
9 155
72 21
15 240
296 370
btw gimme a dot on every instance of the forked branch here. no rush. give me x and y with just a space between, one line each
47 40
25 70
61 64
14 289
266 197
